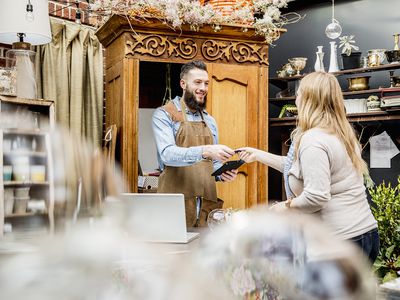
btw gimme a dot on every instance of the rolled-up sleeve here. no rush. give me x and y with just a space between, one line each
169 153
315 168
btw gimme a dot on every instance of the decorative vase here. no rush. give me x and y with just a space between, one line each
333 63
352 61
319 62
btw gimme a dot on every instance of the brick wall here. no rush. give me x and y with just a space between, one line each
66 9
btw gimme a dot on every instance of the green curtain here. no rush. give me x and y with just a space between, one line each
69 70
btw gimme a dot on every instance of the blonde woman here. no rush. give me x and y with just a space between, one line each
323 170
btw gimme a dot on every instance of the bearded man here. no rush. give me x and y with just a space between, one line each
187 145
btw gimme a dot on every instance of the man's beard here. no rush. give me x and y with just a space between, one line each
191 102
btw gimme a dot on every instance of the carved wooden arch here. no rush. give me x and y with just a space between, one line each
188 48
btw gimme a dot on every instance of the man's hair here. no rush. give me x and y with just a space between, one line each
196 64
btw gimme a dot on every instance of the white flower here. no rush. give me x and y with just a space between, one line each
273 12
242 282
279 3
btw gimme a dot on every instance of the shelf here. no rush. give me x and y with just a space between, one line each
282 82
348 93
16 131
26 153
27 214
359 117
24 134
32 183
24 101
283 99
371 91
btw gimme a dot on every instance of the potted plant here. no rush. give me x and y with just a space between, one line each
386 209
351 58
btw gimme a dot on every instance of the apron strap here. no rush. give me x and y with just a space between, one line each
183 108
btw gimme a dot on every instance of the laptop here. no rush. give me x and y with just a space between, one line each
157 217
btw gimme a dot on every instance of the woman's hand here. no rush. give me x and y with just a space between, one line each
279 207
249 154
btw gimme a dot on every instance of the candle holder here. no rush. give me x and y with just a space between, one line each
396 41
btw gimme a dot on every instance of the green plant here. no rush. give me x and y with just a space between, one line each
386 209
347 42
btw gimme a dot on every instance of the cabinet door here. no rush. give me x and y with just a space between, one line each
122 102
238 102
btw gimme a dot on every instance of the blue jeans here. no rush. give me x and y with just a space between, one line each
369 243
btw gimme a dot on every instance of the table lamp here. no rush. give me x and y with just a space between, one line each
24 23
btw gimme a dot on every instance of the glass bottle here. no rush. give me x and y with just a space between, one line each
319 62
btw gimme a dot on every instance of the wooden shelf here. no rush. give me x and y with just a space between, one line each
19 101
359 117
283 99
282 82
27 214
31 183
29 134
371 91
348 93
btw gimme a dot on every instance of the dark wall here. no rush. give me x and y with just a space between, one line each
373 23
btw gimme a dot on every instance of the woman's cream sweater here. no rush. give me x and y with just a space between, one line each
325 182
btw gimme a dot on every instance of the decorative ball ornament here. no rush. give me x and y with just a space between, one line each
333 30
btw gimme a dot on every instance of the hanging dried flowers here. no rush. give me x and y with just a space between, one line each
196 13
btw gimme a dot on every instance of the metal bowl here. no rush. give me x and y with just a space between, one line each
358 83
393 56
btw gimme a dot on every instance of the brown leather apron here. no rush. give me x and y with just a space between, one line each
195 180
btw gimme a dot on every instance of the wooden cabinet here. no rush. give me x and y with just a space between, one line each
237 61
26 187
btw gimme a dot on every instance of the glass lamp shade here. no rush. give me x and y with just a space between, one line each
333 30
14 20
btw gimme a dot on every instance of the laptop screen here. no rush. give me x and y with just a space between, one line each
156 217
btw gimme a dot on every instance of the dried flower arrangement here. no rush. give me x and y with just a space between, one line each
196 13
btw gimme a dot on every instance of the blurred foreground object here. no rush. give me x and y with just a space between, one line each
261 255
102 263
82 177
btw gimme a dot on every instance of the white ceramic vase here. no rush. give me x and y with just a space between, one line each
333 62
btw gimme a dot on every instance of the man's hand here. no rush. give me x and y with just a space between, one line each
217 152
229 176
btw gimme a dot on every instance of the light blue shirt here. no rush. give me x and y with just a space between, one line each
165 130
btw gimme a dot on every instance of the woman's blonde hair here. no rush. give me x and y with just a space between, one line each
322 106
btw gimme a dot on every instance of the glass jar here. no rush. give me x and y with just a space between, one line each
23 61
